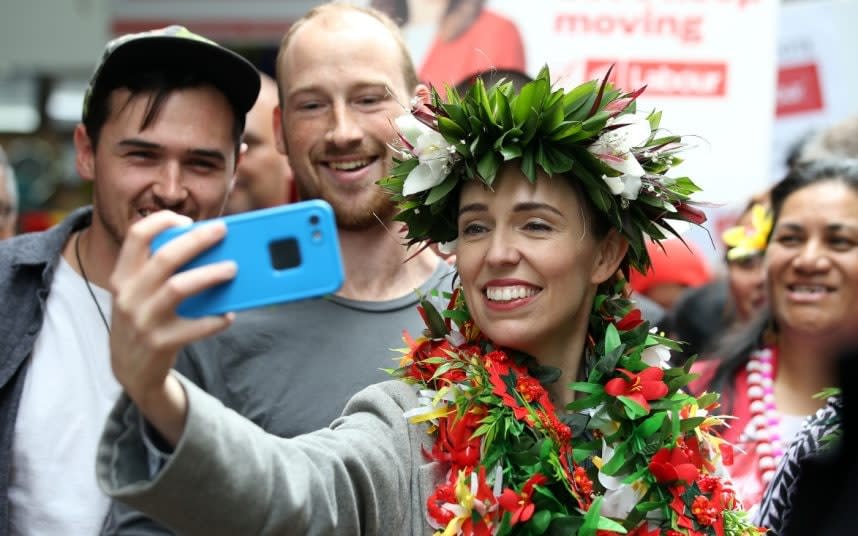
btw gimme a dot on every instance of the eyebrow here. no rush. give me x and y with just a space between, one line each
358 86
829 228
525 206
137 143
835 227
143 144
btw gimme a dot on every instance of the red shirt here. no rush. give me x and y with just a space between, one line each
492 41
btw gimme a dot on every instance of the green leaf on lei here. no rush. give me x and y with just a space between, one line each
435 322
633 409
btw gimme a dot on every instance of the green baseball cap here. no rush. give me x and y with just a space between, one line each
176 47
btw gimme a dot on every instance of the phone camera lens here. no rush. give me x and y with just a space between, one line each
314 220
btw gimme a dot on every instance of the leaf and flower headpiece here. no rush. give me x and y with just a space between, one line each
591 133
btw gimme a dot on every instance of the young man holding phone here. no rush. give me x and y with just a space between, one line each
344 75
161 129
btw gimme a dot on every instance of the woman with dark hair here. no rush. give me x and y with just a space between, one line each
769 374
546 194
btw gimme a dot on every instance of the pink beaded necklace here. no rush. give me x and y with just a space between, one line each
764 425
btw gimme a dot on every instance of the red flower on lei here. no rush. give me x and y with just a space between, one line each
641 387
510 383
481 522
671 465
444 494
456 443
520 504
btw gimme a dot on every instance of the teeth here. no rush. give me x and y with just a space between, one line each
509 293
348 166
809 288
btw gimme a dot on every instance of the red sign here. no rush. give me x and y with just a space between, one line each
799 90
671 78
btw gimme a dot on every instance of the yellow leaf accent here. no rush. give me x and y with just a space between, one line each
434 414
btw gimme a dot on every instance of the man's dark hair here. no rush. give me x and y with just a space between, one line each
159 84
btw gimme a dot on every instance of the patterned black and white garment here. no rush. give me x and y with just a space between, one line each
816 434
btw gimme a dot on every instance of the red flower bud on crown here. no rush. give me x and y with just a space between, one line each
633 319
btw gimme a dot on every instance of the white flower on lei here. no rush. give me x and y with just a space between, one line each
614 148
600 420
620 498
430 147
657 355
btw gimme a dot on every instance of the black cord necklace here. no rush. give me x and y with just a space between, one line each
86 280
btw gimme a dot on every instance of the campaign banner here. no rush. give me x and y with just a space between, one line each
709 65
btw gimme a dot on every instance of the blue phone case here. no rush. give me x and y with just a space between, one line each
285 253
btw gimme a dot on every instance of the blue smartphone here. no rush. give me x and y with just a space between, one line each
285 253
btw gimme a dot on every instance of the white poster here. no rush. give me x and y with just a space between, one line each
709 65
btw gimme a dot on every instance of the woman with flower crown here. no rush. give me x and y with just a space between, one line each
539 402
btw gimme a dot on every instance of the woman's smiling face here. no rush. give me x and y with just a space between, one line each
812 262
528 262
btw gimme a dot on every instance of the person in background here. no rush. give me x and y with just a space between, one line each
264 178
453 39
676 267
839 140
161 129
8 198
820 462
745 245
703 316
769 374
344 75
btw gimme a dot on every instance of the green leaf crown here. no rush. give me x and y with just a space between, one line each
590 133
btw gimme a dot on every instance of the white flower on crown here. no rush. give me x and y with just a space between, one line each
614 149
448 248
432 150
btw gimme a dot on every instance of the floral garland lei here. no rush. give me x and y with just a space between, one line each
634 455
